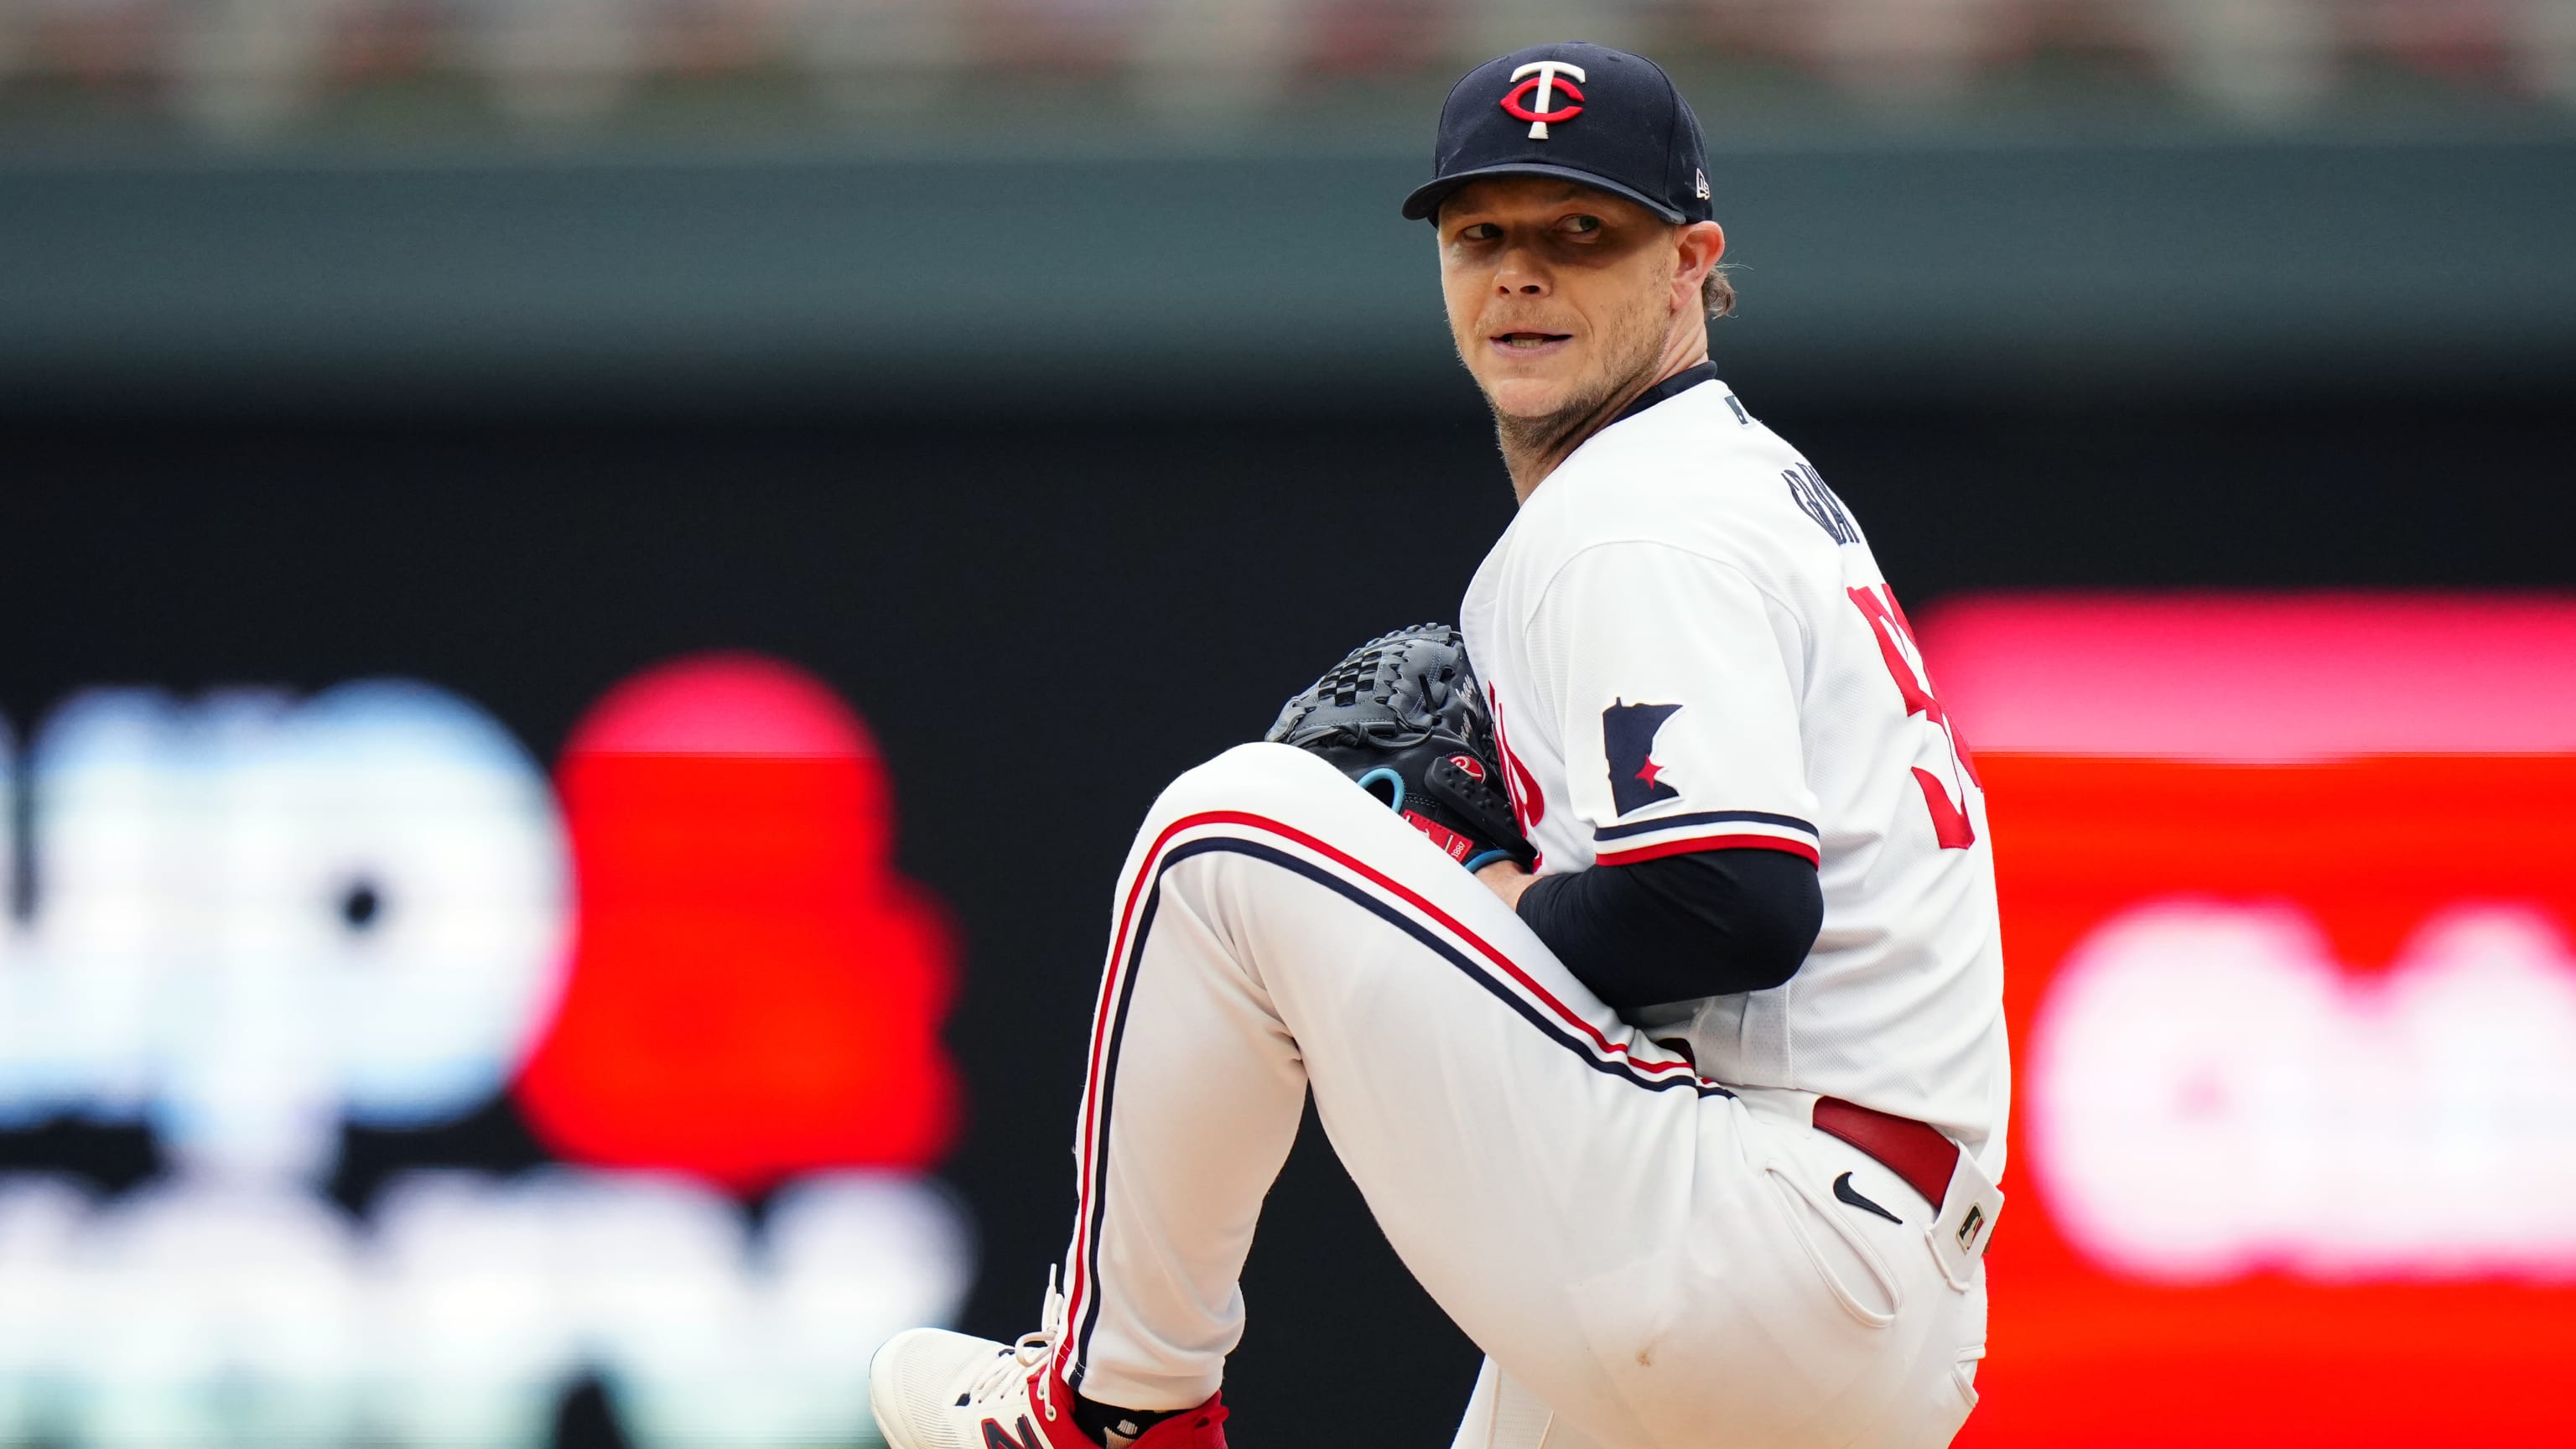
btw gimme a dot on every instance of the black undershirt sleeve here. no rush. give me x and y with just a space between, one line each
1709 923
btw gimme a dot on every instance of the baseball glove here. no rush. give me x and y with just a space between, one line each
1404 716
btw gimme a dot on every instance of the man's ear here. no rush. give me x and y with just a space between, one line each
1701 245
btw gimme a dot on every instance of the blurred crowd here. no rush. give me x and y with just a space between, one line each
245 65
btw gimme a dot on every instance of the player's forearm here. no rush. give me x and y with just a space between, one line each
1710 923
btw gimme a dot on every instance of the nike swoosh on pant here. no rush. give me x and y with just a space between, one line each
1850 1194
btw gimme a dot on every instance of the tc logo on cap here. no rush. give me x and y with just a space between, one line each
1542 81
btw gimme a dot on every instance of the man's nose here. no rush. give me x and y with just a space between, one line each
1520 276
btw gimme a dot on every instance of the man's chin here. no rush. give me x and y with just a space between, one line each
1528 400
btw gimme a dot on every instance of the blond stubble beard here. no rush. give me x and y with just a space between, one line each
1637 341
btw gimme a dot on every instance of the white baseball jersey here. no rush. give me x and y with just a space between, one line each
1689 647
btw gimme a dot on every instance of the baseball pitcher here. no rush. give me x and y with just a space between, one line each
1637 939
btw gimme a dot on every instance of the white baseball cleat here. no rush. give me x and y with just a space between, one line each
932 1389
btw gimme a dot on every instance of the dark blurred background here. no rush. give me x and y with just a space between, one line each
1057 383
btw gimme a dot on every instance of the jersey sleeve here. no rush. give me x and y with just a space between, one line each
1680 708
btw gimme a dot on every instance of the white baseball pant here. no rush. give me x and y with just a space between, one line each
1648 1260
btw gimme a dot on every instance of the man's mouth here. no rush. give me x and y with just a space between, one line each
1529 341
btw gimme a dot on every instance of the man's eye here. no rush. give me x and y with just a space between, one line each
1582 224
1480 231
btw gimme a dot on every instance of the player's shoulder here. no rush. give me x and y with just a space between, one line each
1699 472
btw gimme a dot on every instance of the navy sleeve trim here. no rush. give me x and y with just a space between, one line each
1704 817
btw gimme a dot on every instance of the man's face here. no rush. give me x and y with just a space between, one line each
1558 294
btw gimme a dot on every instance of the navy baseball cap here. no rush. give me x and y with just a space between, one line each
1588 113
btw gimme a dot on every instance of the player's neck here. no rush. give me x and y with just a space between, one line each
1531 455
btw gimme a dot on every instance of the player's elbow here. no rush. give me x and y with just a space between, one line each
1682 927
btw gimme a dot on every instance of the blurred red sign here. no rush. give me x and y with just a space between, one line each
753 992
2289 904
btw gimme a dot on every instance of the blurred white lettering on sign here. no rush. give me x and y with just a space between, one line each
208 1312
2213 1094
255 918
250 920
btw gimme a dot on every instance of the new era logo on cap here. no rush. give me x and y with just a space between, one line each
1637 138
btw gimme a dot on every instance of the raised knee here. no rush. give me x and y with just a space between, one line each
1280 789
1272 781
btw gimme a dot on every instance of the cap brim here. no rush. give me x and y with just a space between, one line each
1425 201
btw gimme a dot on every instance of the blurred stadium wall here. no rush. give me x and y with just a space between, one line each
596 584
843 200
